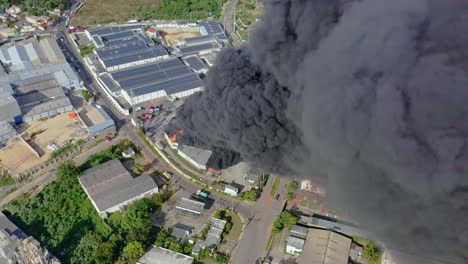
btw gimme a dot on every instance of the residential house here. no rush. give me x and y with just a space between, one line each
231 190
128 153
181 232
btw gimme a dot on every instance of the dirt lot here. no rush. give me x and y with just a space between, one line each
107 11
173 38
18 157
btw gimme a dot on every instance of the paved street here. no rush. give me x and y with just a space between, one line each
227 18
258 227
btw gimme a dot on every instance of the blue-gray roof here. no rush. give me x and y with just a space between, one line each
172 86
114 29
196 63
120 50
107 80
199 39
144 54
212 27
146 69
197 48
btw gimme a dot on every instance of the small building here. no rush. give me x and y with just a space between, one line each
159 255
192 206
355 251
110 187
294 245
325 247
252 179
128 153
298 231
7 131
181 232
231 190
196 156
215 233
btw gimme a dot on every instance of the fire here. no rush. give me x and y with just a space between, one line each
211 170
181 131
173 138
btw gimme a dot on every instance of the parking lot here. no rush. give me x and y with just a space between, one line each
170 215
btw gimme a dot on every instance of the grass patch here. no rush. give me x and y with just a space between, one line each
269 241
108 11
236 229
6 180
275 186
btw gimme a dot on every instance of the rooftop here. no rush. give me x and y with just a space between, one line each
196 63
298 231
190 205
213 28
325 247
198 155
295 242
158 255
335 225
195 49
110 184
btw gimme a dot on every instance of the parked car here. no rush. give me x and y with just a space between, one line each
108 138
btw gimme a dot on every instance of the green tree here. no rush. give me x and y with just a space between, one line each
250 195
133 251
85 95
162 236
284 220
221 259
138 169
136 220
371 253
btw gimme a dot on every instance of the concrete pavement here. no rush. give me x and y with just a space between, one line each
258 227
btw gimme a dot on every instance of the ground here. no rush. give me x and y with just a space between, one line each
108 11
173 38
169 215
246 14
58 130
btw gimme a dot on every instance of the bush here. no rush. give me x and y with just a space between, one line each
284 220
85 49
85 95
6 180
249 6
251 195
371 253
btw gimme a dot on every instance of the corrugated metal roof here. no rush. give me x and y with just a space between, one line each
189 50
110 184
196 63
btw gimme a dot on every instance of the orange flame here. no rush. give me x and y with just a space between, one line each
211 170
173 138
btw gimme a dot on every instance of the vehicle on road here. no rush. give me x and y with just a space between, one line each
277 197
108 138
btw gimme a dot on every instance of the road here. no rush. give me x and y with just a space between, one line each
50 176
227 16
258 227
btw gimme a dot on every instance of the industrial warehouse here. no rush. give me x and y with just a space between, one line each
134 68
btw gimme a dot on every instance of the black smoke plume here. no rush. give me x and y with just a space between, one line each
371 96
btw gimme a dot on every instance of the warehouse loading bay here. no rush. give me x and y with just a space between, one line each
58 130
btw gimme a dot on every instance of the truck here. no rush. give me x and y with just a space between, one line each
203 193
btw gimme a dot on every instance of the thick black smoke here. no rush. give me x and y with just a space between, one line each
371 95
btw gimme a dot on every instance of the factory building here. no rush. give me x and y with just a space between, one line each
37 80
154 80
196 64
123 47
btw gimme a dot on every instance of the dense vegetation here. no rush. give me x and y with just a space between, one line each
290 189
34 7
371 253
284 220
186 9
63 219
